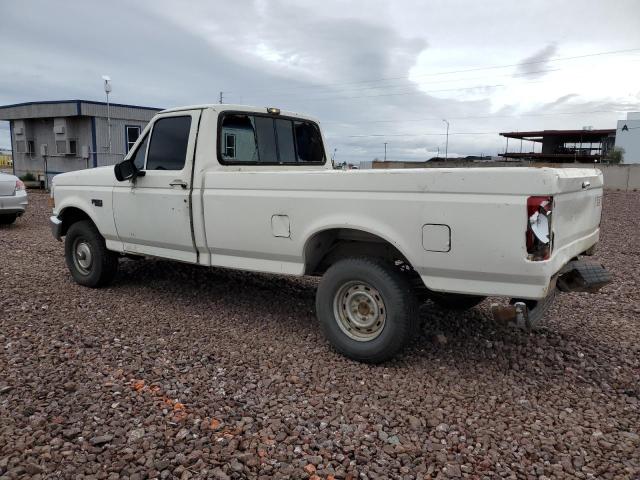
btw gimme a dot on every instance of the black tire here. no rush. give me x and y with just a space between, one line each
102 265
393 296
8 218
455 301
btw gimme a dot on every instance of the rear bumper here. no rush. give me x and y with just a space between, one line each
14 203
56 227
579 275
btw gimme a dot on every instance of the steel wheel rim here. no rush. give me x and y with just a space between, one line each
82 256
359 311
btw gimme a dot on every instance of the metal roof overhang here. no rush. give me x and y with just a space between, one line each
567 135
55 108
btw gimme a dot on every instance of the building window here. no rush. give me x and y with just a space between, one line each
61 147
230 146
131 133
66 147
31 148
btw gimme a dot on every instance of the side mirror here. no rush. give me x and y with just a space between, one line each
125 170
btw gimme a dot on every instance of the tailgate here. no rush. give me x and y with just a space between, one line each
7 185
578 205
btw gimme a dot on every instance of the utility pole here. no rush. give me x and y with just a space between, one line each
385 151
220 97
446 145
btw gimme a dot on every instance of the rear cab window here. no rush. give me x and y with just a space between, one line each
260 139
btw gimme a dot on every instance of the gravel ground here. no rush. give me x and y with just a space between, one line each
183 372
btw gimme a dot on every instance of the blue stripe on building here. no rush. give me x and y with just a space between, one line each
13 160
94 147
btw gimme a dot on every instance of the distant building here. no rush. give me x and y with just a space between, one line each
52 137
628 137
561 146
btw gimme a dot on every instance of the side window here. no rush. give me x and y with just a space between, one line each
169 141
131 132
138 157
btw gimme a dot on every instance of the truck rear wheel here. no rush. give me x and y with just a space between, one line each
87 257
366 308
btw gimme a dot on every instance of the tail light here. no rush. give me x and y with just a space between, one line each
19 185
539 235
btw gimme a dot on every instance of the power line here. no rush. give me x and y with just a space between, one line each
466 70
467 117
410 84
378 135
414 91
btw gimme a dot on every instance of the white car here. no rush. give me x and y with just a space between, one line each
13 198
252 189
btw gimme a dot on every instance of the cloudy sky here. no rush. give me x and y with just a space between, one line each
371 71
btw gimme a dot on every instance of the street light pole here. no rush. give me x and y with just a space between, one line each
385 151
107 90
446 145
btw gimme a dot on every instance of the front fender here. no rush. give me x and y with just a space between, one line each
95 202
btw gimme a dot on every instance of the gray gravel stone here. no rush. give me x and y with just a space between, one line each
221 373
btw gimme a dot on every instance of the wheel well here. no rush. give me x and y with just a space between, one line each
71 215
327 247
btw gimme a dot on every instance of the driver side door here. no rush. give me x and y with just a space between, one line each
152 212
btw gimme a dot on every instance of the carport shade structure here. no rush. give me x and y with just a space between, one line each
562 146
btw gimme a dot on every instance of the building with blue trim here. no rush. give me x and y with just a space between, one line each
52 137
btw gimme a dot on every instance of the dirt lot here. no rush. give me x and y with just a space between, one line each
179 371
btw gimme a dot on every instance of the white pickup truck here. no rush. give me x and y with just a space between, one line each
251 188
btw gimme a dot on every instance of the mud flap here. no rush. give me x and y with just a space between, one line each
583 276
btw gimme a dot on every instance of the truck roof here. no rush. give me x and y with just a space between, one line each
219 107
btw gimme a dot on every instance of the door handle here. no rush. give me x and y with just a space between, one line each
178 183
586 185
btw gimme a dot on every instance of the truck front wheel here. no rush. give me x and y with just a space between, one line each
88 259
366 308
